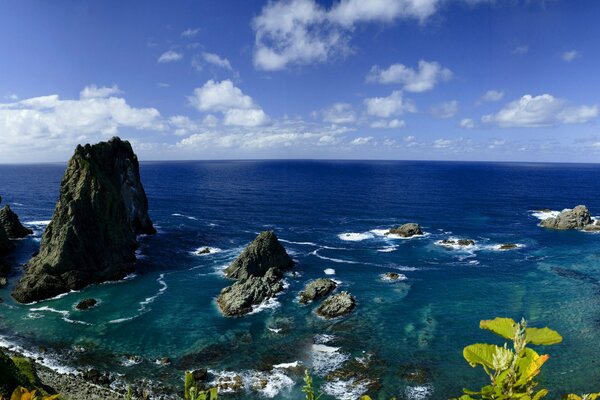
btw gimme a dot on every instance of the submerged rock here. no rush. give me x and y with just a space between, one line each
459 242
238 299
92 235
406 230
337 305
205 250
259 270
86 304
263 253
12 226
576 218
508 246
317 289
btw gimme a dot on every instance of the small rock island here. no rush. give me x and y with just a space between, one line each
258 271
576 218
92 236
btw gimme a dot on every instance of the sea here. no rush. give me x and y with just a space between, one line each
405 337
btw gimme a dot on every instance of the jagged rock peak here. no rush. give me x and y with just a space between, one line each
92 235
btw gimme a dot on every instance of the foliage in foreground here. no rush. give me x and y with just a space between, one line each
20 393
512 370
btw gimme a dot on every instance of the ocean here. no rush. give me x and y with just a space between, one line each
330 216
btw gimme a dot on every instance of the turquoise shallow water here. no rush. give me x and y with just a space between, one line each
421 323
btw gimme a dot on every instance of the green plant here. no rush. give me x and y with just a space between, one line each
21 393
191 391
512 370
308 388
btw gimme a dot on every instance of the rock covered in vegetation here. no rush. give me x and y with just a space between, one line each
86 304
317 289
265 252
18 371
337 305
238 299
406 230
12 226
576 218
92 235
259 270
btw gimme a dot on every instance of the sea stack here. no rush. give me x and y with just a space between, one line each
258 270
12 226
91 238
576 218
5 244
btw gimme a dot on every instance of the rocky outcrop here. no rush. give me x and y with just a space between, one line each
12 226
5 244
86 304
258 270
238 299
317 289
576 218
459 242
92 236
337 305
265 252
508 246
406 230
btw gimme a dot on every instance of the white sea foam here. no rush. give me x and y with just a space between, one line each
323 338
161 290
387 249
130 361
422 392
65 314
119 320
268 304
276 381
542 215
345 390
329 271
337 260
43 359
385 278
294 364
456 246
326 358
274 330
299 243
354 236
38 223
384 233
184 216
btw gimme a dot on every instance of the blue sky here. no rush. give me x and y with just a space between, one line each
378 79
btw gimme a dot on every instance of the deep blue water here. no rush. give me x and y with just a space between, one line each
423 322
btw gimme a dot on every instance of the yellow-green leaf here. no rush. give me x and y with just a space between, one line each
481 354
505 327
542 336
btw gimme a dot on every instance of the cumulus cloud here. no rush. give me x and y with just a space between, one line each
169 56
190 32
445 110
392 105
571 55
541 111
51 122
491 95
339 113
359 141
224 97
467 123
93 91
442 143
424 78
215 59
300 32
391 124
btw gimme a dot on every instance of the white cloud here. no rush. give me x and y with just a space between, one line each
392 105
494 144
190 32
492 95
49 122
93 91
520 50
571 55
445 110
237 107
467 123
300 32
539 111
216 60
442 143
359 141
427 75
339 113
392 124
210 120
169 56
12 96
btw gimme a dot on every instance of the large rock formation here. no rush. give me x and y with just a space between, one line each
577 218
12 226
317 289
265 252
5 244
258 269
92 235
406 230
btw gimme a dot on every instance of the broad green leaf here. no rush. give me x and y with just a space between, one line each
542 336
481 354
505 327
540 394
529 365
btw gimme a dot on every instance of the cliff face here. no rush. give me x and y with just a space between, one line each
92 235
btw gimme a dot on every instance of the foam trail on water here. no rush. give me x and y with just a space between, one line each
354 236
337 260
